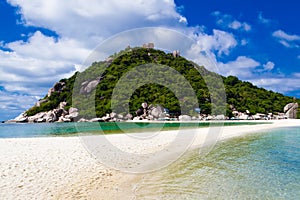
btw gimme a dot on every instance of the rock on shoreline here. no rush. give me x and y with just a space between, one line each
56 115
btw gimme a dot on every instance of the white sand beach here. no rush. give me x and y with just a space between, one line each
64 168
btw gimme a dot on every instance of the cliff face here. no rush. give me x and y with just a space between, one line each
96 84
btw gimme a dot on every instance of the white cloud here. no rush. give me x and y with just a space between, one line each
238 25
31 67
14 103
282 35
278 84
297 75
244 42
269 66
44 47
97 19
287 40
242 67
228 21
220 41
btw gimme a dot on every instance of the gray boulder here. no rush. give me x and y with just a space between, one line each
63 119
220 117
88 86
23 120
128 116
62 105
40 115
92 85
184 118
73 110
96 120
290 110
83 120
31 119
156 111
40 120
72 116
113 115
120 116
50 116
38 104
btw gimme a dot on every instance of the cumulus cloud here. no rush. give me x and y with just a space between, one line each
228 21
278 84
32 66
243 67
287 40
38 61
97 19
238 25
269 66
244 42
12 104
206 49
219 41
282 35
44 47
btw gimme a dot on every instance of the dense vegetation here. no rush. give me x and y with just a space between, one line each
240 95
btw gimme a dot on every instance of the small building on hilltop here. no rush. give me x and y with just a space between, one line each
176 53
150 45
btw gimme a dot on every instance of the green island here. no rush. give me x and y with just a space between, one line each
101 78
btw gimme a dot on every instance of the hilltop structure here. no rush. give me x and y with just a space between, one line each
148 46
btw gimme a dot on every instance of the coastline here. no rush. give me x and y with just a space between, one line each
62 168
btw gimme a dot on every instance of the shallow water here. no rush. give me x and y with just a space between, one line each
12 130
258 166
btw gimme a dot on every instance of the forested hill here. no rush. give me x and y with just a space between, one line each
103 76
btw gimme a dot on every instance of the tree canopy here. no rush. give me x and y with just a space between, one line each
207 87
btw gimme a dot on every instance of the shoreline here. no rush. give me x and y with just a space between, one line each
62 168
31 130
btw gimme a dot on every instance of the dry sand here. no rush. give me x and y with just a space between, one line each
62 168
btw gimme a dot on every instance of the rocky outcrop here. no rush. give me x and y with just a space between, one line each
60 114
157 112
38 104
150 112
56 115
290 110
184 118
58 87
88 86
22 118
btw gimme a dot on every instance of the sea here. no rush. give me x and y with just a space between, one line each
262 165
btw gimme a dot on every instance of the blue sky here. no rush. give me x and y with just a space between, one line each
44 41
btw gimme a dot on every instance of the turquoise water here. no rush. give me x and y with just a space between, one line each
12 130
259 166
